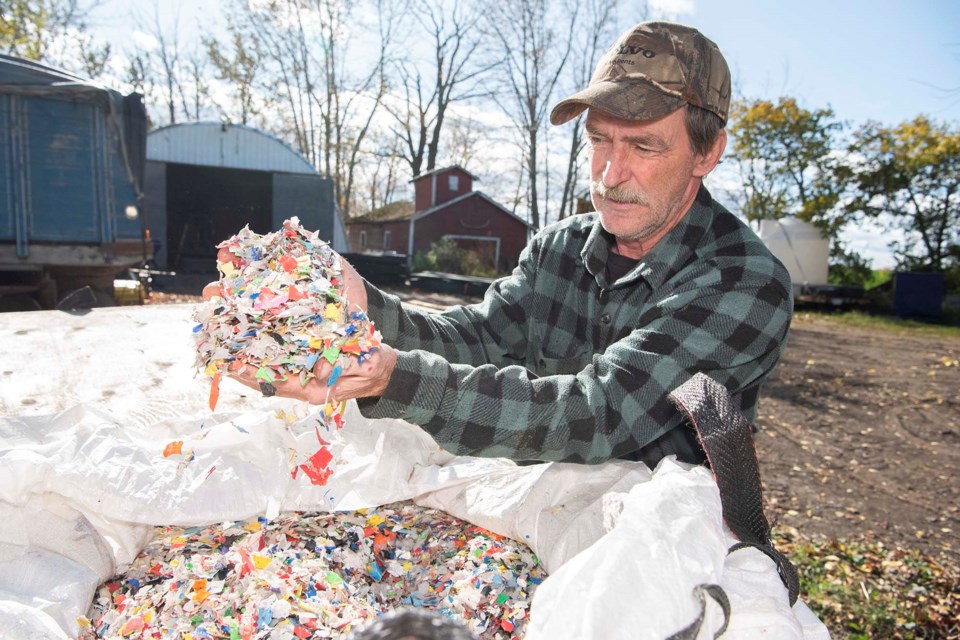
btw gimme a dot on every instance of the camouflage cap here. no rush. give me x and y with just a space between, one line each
652 70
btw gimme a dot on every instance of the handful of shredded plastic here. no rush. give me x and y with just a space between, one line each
283 309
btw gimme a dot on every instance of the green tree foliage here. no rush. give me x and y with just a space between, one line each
848 268
53 32
447 256
788 161
22 24
909 178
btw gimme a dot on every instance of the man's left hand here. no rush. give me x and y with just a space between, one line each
357 380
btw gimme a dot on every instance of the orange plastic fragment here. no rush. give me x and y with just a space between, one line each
172 449
132 626
214 392
295 294
288 262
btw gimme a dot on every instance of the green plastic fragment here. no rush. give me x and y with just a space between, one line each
331 354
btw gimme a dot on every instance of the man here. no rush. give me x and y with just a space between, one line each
572 356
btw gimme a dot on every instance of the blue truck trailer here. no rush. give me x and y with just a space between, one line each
72 157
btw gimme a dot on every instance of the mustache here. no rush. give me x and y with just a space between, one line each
620 193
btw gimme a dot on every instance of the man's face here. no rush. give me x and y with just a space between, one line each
644 176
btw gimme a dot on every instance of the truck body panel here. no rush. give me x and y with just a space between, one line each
70 179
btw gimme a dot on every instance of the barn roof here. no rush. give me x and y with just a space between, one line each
442 169
390 212
231 146
480 194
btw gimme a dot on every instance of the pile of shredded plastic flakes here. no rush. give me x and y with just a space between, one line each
318 576
282 309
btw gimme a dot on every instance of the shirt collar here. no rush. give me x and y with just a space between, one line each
665 258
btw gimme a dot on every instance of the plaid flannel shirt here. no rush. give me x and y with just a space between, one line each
556 363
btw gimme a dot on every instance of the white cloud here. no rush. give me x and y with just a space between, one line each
670 9
144 41
870 240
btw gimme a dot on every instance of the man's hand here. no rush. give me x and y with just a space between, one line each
357 380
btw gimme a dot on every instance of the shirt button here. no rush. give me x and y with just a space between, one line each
605 318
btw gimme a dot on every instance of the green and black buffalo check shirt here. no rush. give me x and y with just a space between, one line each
558 363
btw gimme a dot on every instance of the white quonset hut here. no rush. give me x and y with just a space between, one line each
206 180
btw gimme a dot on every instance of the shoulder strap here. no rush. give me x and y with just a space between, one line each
725 435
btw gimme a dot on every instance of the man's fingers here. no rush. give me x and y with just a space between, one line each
212 289
224 254
246 376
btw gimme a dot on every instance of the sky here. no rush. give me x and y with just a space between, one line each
882 60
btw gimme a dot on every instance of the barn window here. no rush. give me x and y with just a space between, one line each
454 182
363 239
386 239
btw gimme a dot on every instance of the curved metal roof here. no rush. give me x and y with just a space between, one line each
233 146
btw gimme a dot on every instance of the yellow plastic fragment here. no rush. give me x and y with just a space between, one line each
213 368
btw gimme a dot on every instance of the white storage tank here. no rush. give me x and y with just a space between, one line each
800 246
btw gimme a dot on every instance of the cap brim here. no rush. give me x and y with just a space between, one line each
628 101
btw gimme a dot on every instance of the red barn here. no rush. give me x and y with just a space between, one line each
445 206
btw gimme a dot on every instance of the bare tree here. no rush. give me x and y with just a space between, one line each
430 89
167 56
312 97
165 73
462 138
535 44
239 66
383 173
351 106
195 93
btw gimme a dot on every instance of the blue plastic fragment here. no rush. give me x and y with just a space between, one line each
264 617
312 360
197 328
337 370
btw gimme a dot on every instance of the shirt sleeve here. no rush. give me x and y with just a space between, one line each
732 329
493 331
